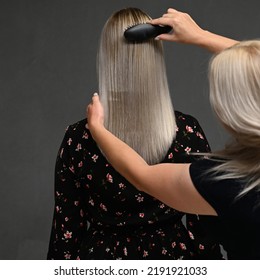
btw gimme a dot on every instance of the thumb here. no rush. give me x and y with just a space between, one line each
166 37
95 97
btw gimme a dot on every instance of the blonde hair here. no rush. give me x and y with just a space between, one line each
235 97
134 89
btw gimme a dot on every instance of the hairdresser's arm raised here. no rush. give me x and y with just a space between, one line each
187 31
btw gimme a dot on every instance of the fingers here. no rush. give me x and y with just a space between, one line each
160 21
95 97
166 37
168 18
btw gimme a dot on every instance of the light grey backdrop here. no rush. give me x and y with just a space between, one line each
47 75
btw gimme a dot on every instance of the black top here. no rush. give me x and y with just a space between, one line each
124 222
239 219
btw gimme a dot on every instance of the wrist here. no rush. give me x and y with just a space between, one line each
95 129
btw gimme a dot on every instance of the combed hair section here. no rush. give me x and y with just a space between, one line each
134 89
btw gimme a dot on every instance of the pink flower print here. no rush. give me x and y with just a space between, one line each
162 205
191 235
85 135
61 152
109 178
94 158
67 256
183 246
71 168
161 233
141 215
66 219
91 202
170 156
177 128
187 150
89 176
125 251
164 251
176 150
145 254
201 247
80 164
139 198
103 207
68 235
58 209
76 203
78 147
199 135
57 193
69 141
81 213
189 129
122 186
173 244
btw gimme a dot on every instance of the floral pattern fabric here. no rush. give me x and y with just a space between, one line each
99 215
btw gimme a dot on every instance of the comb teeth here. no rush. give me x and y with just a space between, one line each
144 31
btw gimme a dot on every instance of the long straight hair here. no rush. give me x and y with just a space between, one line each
133 88
235 97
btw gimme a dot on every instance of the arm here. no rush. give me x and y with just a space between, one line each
185 30
169 183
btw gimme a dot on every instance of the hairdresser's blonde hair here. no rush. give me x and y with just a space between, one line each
235 97
133 88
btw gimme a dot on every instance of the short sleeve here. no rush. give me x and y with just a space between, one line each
219 193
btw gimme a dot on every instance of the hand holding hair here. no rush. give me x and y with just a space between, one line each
95 112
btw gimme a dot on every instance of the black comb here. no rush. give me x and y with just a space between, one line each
145 31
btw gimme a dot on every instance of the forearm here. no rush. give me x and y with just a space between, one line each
124 159
213 42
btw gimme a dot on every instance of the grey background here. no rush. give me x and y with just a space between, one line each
47 75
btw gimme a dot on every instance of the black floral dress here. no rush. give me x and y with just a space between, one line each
99 215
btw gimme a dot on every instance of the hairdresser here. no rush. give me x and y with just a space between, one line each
225 184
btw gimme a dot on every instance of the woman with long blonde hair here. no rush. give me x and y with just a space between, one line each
98 213
227 183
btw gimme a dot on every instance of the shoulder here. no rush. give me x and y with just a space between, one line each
77 127
78 130
189 134
187 122
77 136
